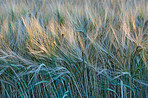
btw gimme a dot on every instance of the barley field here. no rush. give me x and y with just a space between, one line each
73 49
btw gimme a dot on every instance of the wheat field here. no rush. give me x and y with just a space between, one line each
73 49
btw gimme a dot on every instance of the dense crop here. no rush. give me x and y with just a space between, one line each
74 48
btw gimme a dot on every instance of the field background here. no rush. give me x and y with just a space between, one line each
73 48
